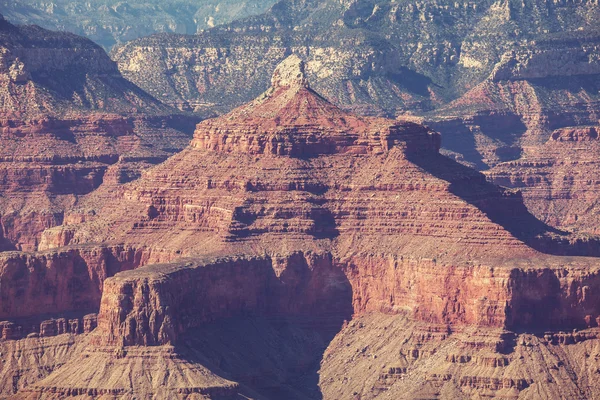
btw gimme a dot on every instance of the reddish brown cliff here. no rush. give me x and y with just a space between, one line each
289 209
54 282
155 304
558 179
69 124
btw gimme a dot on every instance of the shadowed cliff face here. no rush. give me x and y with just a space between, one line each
507 208
141 309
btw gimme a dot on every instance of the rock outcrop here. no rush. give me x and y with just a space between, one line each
558 179
69 124
155 305
290 209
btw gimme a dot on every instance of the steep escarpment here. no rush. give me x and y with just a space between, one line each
141 307
55 282
156 304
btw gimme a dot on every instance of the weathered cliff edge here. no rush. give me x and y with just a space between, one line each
69 124
154 305
558 179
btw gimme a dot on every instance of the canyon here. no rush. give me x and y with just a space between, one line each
496 78
113 22
297 250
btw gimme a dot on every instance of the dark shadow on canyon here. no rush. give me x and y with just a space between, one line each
540 306
412 81
276 351
277 358
505 208
504 129
459 139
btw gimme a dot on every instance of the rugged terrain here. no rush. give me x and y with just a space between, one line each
69 124
373 56
496 78
296 250
558 179
111 22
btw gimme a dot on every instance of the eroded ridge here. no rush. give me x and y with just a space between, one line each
292 119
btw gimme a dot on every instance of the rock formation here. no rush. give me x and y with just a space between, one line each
289 221
558 179
371 56
496 78
69 124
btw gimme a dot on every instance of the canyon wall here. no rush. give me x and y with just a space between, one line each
69 125
156 304
142 307
55 282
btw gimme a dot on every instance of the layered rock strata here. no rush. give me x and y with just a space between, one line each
391 357
142 307
69 123
290 209
496 78
558 179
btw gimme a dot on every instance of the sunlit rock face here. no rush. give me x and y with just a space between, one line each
495 78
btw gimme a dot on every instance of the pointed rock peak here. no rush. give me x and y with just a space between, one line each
290 73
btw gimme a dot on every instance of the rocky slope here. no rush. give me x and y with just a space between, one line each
113 22
69 124
295 250
531 93
496 78
392 357
558 179
372 56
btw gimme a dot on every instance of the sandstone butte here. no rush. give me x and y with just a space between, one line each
292 251
498 79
